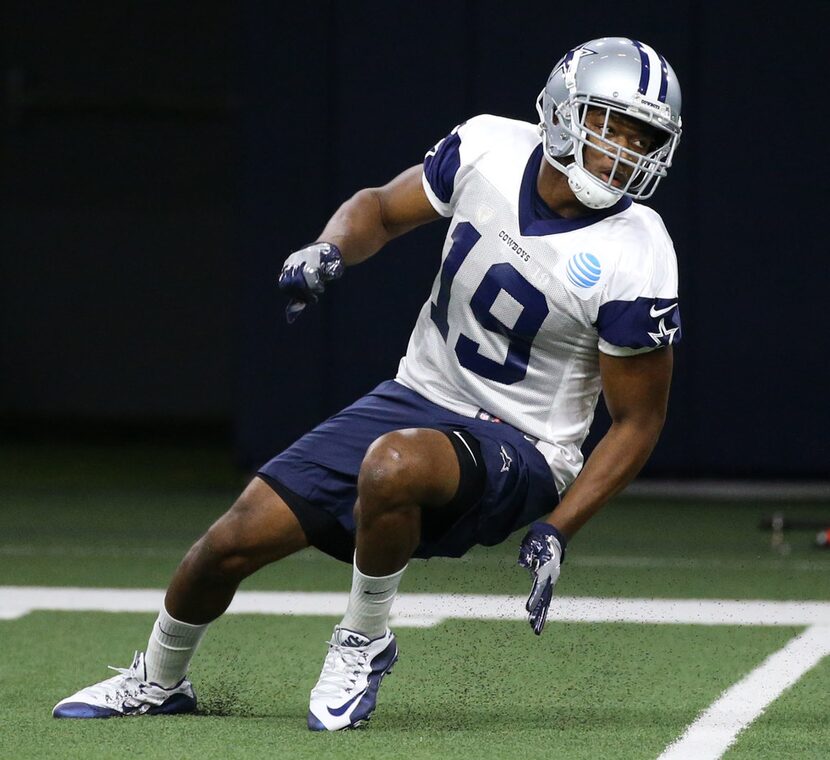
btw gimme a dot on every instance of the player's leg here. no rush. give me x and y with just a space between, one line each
406 477
403 473
258 529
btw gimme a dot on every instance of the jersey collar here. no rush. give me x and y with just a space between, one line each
536 218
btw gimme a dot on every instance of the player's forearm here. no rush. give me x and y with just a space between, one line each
372 217
613 464
358 228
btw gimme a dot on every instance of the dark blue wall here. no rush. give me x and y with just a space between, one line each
743 204
140 241
118 153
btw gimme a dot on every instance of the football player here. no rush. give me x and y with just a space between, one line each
555 284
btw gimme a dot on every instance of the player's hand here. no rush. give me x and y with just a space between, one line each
305 273
542 552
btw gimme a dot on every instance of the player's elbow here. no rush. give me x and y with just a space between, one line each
375 203
642 427
653 427
644 416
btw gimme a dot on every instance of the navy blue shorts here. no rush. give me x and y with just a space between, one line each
317 475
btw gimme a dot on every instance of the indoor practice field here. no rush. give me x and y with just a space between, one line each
617 673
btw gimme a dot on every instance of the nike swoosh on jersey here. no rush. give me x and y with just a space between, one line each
337 711
660 312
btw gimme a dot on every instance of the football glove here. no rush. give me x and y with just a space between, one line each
305 273
542 552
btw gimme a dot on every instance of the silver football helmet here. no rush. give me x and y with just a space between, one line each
615 75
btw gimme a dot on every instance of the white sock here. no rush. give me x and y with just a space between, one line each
171 647
370 602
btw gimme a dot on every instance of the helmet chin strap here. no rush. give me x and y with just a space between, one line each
588 190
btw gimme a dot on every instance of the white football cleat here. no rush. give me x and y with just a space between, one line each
127 694
346 693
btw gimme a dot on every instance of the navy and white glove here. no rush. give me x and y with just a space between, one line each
305 273
542 552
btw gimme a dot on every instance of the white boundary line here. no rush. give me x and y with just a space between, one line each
717 728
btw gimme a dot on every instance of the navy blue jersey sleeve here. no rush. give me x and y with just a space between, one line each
441 164
643 323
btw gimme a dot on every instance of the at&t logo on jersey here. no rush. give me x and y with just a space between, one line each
583 270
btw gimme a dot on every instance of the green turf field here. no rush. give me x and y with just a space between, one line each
107 517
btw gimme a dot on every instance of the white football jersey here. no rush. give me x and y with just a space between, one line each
525 299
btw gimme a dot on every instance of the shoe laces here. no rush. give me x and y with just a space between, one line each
127 690
124 689
127 685
341 670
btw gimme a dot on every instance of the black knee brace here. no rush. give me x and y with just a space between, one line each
435 522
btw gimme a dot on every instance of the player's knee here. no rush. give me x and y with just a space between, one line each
224 546
391 472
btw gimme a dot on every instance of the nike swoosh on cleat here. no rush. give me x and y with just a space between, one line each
377 593
653 312
338 711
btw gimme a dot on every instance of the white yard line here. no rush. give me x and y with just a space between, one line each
717 728
422 609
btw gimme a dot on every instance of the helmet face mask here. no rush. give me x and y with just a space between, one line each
610 78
